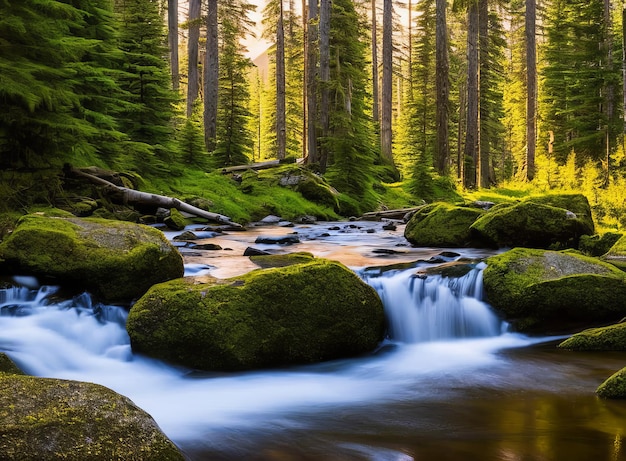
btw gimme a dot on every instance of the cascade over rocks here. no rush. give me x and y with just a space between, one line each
543 291
114 260
310 311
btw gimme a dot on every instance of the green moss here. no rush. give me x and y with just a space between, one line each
441 225
549 291
49 419
576 203
302 313
175 221
116 261
267 261
617 254
614 387
611 338
597 245
7 366
317 192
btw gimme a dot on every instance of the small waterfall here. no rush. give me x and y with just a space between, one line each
435 307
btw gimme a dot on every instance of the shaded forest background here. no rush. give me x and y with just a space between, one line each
472 97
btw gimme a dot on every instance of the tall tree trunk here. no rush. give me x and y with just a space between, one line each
624 67
375 94
410 49
531 88
281 120
442 84
387 89
610 89
172 39
471 134
305 112
311 84
325 9
192 53
211 77
483 81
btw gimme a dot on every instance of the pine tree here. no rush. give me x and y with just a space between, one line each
349 143
147 80
58 94
233 140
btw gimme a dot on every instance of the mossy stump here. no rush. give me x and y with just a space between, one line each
302 313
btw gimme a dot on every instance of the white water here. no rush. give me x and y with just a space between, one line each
74 340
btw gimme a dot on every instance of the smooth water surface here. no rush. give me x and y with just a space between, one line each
450 384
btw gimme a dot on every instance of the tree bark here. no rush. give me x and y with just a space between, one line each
192 53
442 84
211 78
281 122
531 88
471 134
305 112
483 81
312 69
172 39
387 87
325 9
375 94
135 197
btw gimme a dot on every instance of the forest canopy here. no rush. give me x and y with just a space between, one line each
436 94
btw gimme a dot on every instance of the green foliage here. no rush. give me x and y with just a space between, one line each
191 141
58 87
146 80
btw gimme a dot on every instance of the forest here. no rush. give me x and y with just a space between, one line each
393 104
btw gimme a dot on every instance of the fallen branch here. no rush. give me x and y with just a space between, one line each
389 214
135 197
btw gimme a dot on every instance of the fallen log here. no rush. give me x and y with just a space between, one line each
135 197
260 165
389 214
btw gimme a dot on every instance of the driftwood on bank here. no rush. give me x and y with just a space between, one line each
135 197
260 165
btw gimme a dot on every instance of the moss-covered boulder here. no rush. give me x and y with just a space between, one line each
281 260
614 387
548 291
442 225
617 254
302 313
51 419
533 225
610 338
114 260
576 203
599 244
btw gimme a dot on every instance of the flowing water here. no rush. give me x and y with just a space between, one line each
450 383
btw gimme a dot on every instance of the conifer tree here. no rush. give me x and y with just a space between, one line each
147 80
233 140
58 97
349 142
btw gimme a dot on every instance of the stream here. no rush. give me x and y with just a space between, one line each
450 383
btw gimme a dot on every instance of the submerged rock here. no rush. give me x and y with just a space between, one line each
548 291
48 419
441 225
302 313
114 260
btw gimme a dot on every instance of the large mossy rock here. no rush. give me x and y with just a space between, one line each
442 225
610 338
51 419
302 313
540 222
617 254
114 260
548 291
